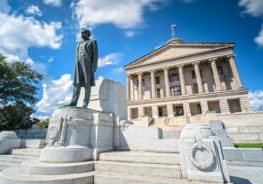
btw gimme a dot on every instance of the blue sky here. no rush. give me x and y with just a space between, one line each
44 33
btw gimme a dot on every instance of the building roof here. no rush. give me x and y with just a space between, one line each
177 48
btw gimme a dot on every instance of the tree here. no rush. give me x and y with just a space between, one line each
18 88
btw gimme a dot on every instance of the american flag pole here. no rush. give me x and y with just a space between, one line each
173 26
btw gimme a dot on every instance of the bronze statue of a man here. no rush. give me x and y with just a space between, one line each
85 67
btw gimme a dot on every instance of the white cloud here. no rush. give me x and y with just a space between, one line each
55 94
125 14
18 33
255 9
50 60
259 38
118 70
53 2
129 33
4 6
110 59
34 10
256 99
39 67
252 7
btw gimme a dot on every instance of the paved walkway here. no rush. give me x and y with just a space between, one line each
246 174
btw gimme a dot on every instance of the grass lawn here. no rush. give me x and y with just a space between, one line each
249 145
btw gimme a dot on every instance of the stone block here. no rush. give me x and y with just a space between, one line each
8 141
201 155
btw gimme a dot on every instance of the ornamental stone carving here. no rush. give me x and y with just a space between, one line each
201 156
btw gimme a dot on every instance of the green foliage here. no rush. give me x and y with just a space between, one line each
18 82
43 123
249 145
18 87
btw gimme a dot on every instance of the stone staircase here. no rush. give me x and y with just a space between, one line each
139 167
16 156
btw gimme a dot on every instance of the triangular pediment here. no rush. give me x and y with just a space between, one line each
173 51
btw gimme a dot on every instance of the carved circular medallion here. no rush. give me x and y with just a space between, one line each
201 156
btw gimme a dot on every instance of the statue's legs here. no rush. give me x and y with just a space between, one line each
87 95
75 97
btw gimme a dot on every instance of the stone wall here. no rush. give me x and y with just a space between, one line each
34 133
245 127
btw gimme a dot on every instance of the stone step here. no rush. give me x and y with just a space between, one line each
143 169
141 157
12 176
33 143
120 178
36 167
4 165
15 158
27 151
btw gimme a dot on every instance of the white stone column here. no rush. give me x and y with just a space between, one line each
131 89
170 111
204 106
216 75
140 86
235 72
182 80
140 111
198 78
155 111
224 106
166 81
153 86
128 87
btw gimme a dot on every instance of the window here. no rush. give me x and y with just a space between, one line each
199 110
143 82
176 91
178 110
160 111
193 75
158 93
174 78
157 80
195 88
220 70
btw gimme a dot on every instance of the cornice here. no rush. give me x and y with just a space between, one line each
191 97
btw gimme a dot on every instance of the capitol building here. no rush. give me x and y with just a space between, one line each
180 82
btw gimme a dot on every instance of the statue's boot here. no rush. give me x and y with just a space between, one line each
85 104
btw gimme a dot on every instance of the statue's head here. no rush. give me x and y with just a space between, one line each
85 34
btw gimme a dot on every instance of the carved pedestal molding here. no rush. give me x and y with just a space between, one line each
232 63
215 74
198 77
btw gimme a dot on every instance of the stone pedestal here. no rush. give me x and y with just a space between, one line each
78 131
75 137
201 155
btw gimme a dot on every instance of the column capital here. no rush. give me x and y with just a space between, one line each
180 65
196 62
152 71
165 68
139 73
212 59
231 56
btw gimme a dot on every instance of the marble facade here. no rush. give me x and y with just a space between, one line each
185 79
